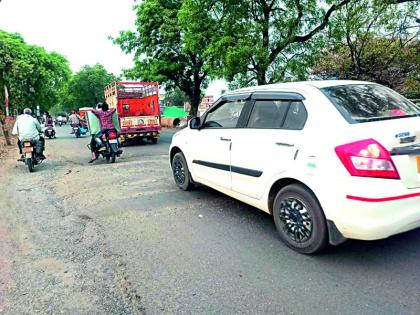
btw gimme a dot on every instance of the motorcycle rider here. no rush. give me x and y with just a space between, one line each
74 119
29 128
106 123
49 121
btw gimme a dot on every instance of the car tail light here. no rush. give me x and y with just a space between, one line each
112 135
367 158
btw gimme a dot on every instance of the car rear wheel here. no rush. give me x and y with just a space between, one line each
300 220
181 172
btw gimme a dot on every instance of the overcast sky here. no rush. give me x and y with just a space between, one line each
77 29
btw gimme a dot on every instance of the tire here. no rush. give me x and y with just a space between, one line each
30 165
108 159
113 157
181 173
154 140
300 220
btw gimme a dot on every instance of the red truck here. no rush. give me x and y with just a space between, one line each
138 110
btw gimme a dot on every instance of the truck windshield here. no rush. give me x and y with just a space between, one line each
369 102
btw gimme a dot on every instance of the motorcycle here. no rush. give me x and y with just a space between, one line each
30 157
59 123
109 146
49 132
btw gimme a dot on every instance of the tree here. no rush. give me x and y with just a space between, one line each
259 41
33 76
161 52
175 97
375 41
86 87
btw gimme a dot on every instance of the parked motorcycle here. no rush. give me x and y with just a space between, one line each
49 132
31 158
109 146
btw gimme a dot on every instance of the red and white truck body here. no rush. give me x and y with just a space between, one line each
137 105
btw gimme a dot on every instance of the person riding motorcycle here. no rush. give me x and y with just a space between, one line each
74 119
49 121
106 123
29 128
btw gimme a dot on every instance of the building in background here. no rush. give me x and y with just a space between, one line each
206 102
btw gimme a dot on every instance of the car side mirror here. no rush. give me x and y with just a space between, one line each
195 123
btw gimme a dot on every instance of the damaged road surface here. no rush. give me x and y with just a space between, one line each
79 238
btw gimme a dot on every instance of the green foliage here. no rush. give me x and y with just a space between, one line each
175 97
86 87
32 75
163 53
375 41
258 41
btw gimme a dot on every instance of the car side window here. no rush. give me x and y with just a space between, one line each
296 116
225 116
278 114
268 114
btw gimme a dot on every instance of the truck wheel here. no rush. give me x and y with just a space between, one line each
181 172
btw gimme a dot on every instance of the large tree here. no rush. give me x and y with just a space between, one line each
259 41
376 41
32 76
86 87
161 52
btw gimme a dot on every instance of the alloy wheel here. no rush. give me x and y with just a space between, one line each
296 220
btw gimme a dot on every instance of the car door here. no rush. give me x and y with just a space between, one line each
211 144
268 143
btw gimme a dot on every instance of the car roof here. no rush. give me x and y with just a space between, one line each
296 85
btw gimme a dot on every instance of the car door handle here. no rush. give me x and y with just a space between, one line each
225 139
283 144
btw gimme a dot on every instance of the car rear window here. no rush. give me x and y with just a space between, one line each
369 102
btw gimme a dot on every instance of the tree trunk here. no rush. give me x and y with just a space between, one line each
195 102
5 132
195 98
261 77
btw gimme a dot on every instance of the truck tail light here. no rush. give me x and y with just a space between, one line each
367 158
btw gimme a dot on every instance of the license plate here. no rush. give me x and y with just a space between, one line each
418 164
113 141
27 149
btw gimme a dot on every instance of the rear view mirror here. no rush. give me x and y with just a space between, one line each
195 123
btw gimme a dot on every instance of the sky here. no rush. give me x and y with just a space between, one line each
77 29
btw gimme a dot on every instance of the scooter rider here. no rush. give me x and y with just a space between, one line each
29 128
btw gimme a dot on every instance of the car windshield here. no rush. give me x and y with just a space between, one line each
369 102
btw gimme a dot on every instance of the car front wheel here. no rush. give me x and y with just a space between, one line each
181 172
300 220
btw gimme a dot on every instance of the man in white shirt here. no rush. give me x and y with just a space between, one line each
29 128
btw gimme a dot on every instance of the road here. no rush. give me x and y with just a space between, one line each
79 238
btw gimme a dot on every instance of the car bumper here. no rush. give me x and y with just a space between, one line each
372 218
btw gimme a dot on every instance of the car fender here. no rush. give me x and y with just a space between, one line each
327 196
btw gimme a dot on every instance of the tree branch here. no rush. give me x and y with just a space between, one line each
324 23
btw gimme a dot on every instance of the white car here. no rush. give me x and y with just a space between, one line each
330 160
